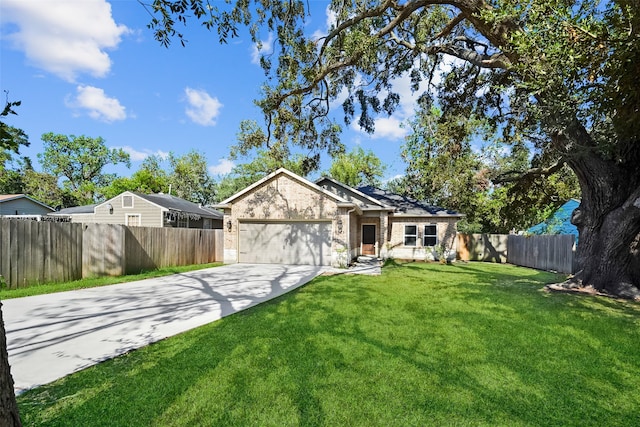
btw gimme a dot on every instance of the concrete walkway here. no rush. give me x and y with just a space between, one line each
51 336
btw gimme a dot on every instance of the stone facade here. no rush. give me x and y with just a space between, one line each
283 198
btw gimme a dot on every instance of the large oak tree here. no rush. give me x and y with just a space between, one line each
558 74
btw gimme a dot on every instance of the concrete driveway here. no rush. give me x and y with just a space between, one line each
51 336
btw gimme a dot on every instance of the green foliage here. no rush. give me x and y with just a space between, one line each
357 167
444 170
10 176
44 187
264 162
357 350
11 138
189 178
150 178
79 161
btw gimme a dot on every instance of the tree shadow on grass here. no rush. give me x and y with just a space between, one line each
383 350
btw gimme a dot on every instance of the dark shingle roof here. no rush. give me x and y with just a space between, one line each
181 205
86 209
405 205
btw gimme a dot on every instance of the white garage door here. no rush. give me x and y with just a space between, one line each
306 243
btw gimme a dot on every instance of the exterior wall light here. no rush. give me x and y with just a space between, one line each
339 224
110 208
229 225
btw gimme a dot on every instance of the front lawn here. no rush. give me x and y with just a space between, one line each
423 344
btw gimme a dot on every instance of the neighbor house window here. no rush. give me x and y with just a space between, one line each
127 201
410 235
133 220
183 222
430 236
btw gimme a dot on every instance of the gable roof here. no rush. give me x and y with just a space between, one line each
9 197
406 206
293 176
366 202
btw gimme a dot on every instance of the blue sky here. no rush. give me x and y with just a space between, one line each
91 67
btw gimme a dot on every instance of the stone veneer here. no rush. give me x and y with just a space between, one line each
282 198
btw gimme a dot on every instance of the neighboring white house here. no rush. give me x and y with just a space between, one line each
145 210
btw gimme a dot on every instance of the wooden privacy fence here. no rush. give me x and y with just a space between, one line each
546 252
34 252
483 247
39 252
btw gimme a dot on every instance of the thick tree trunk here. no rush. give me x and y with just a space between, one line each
8 407
608 222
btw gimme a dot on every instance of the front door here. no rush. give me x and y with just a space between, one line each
368 239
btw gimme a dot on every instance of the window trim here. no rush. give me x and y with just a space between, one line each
129 215
186 222
425 235
405 235
123 205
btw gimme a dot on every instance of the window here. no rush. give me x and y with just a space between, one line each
127 201
430 237
133 220
183 222
410 235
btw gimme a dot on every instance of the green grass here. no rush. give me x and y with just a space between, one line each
49 288
468 344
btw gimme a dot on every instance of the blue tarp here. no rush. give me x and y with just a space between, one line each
559 222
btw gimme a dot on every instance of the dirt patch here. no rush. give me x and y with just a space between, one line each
572 288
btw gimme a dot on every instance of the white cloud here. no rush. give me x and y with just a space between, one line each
65 37
385 127
202 109
265 49
223 167
98 105
331 21
138 156
390 127
393 178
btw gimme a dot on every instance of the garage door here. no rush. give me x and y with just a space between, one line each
306 243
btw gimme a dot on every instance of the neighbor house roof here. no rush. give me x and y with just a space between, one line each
165 201
406 206
86 209
9 197
559 222
177 204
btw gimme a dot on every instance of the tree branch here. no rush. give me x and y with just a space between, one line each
512 176
494 61
449 27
